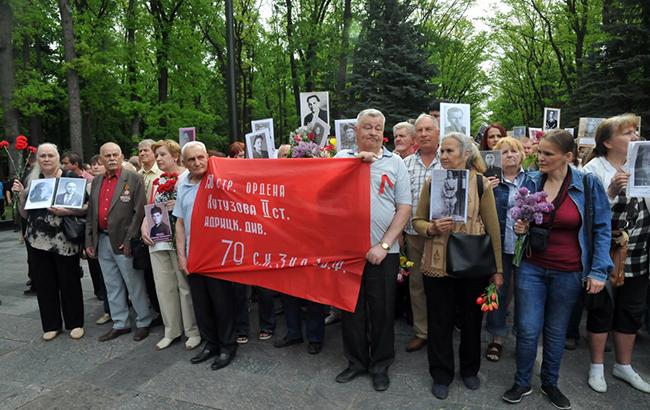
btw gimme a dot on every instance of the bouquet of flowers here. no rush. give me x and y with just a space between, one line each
529 208
21 144
165 187
303 145
489 300
404 265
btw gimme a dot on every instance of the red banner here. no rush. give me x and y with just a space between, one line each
297 226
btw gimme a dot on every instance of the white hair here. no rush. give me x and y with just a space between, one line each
371 112
405 124
193 144
425 116
36 169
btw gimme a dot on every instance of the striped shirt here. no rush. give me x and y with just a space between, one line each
418 173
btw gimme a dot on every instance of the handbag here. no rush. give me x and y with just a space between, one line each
74 228
537 238
140 253
470 256
618 253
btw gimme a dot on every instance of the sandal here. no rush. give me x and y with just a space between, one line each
242 339
266 334
493 352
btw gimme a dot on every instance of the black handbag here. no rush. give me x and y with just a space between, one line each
470 256
140 252
74 228
538 238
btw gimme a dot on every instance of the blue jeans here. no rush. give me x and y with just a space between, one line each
544 301
496 320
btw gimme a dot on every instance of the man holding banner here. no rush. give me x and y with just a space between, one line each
390 210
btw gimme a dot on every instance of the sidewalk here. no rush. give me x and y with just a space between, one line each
124 374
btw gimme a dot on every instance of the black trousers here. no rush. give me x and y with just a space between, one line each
445 298
265 305
151 289
374 315
314 319
214 307
58 289
99 287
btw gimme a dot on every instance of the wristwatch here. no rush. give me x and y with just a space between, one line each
385 246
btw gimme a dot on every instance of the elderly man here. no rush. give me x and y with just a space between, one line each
368 334
420 167
149 171
72 162
214 299
115 213
403 133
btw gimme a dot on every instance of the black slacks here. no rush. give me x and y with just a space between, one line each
58 289
374 315
151 289
214 307
445 297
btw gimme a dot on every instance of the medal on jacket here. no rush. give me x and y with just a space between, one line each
125 197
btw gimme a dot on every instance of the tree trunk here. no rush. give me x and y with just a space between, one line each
292 59
343 59
7 75
74 99
131 65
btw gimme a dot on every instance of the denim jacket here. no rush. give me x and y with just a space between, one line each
599 265
501 196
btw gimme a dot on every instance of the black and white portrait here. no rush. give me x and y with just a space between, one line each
186 135
449 194
587 127
158 222
455 118
265 124
638 158
41 193
70 193
519 132
345 134
493 163
314 105
259 144
551 118
321 131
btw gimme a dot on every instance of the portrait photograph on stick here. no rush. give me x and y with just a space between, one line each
41 193
321 131
493 163
265 124
638 160
345 134
314 105
551 119
587 131
532 132
70 193
519 132
158 222
455 118
186 135
449 194
259 145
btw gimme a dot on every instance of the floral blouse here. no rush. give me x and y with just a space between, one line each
45 232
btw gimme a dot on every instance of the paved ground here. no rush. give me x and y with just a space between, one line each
125 374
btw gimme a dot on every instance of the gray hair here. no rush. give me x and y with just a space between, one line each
36 169
145 143
406 125
425 116
371 112
193 144
467 145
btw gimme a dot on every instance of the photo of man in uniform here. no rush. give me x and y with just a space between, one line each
160 231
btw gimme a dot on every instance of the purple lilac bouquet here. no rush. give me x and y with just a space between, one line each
303 145
529 208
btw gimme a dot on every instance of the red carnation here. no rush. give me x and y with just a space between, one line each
32 149
310 136
4 144
21 143
385 139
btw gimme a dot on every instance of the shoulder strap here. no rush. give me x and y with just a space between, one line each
479 185
588 220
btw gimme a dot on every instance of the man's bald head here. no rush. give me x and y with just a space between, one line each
112 157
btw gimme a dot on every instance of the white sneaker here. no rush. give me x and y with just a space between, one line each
192 342
103 319
597 382
164 343
77 333
633 379
47 336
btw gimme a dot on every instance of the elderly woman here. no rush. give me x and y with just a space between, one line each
172 287
550 280
493 133
447 295
631 218
514 177
54 257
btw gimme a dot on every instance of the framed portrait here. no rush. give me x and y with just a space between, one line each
158 225
186 135
570 131
494 167
455 118
449 194
532 133
70 193
346 137
314 105
259 145
41 193
551 119
638 163
265 124
321 131
587 130
519 132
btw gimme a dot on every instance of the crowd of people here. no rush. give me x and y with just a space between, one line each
566 269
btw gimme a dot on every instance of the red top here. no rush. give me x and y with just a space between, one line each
106 192
563 251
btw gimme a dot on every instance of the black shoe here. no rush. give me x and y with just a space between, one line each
348 375
314 347
380 381
112 334
472 382
141 333
222 361
440 391
284 342
515 394
558 399
570 343
156 322
206 353
29 291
